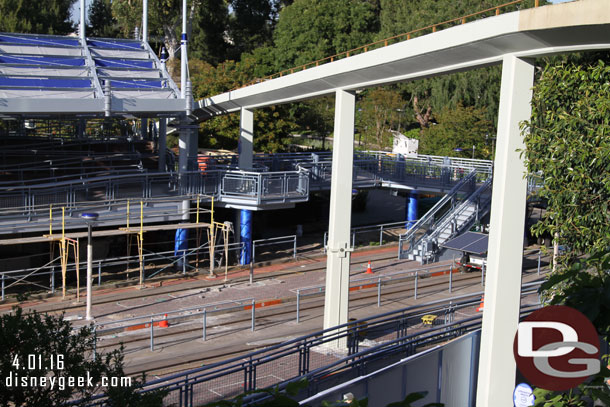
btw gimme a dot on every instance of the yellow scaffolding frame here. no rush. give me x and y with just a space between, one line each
65 244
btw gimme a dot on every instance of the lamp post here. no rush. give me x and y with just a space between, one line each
89 217
473 147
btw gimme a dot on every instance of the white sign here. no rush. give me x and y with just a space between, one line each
523 396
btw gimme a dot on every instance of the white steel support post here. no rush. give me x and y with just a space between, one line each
339 250
83 21
496 378
183 55
162 143
246 139
88 316
145 21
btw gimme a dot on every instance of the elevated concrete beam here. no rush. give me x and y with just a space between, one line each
579 25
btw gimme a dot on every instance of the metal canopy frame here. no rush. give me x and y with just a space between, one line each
35 81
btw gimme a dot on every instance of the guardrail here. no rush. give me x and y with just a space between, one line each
273 241
370 231
308 356
151 320
377 281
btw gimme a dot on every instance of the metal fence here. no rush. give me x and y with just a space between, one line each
315 355
370 235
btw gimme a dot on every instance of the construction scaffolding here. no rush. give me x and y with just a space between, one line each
68 243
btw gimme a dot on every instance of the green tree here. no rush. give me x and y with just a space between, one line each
272 124
308 30
569 143
479 88
251 25
377 113
101 21
209 37
458 128
36 346
26 16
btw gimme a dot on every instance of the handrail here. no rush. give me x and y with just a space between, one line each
400 37
411 232
447 218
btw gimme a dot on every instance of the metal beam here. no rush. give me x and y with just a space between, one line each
246 139
339 249
496 377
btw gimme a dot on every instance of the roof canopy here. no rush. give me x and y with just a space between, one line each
55 75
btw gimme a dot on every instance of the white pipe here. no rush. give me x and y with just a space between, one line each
82 20
183 56
145 21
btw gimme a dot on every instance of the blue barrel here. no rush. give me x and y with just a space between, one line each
412 200
245 233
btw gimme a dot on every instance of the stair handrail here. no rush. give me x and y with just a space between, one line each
459 209
409 233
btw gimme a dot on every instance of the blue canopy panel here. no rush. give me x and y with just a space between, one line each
44 83
114 44
42 60
39 40
136 83
124 63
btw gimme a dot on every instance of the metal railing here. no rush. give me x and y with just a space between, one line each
186 314
427 220
379 230
290 241
308 356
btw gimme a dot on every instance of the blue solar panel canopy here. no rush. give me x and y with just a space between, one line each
50 74
469 242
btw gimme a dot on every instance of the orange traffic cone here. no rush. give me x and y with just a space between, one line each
163 323
368 269
482 305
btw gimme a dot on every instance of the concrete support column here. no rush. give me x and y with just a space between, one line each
245 144
496 379
162 144
339 249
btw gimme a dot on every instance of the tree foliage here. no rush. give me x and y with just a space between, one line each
569 143
101 21
378 114
36 346
458 128
272 124
309 30
26 16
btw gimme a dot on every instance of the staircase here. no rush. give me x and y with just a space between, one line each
455 213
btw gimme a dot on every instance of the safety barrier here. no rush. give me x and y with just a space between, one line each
311 356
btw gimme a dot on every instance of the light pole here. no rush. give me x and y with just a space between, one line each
89 217
473 147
